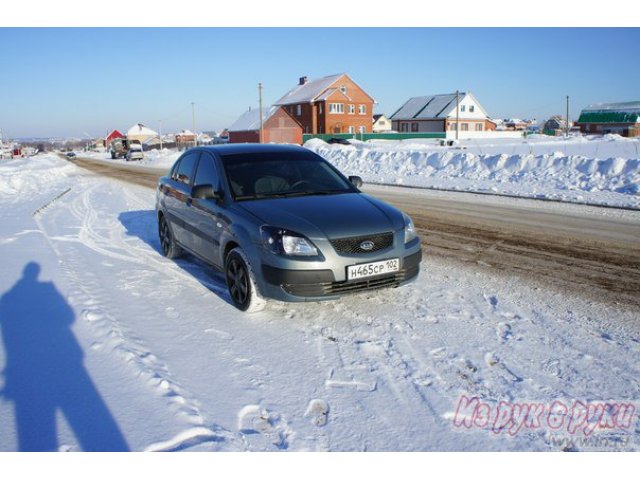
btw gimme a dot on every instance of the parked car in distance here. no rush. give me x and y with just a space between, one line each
282 223
135 152
70 154
338 140
221 140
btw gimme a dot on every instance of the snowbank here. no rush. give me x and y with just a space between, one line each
541 167
153 158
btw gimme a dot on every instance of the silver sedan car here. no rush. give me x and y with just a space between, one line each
282 223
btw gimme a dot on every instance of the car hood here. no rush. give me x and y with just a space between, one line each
327 216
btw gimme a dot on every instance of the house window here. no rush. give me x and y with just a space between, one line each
352 129
352 109
361 129
336 108
320 108
453 126
298 110
472 108
464 127
404 127
362 109
462 107
414 127
343 89
478 127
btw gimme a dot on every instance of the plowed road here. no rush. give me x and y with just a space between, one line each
588 250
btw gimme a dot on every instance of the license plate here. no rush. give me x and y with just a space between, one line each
365 270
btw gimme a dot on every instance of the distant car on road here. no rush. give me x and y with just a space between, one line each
70 154
135 152
120 147
338 140
282 223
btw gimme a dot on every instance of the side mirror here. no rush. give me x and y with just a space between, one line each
357 181
205 192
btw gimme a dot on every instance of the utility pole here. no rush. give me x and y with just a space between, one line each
160 133
193 119
260 112
457 113
566 129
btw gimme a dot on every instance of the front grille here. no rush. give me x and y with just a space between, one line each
350 245
340 288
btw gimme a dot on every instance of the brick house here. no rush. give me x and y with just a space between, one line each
278 126
438 113
602 118
333 104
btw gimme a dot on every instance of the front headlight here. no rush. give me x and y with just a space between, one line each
286 242
409 230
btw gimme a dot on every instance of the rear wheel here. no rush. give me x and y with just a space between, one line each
167 243
241 282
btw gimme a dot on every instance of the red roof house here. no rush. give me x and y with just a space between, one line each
112 136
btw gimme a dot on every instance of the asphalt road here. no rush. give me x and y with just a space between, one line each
586 250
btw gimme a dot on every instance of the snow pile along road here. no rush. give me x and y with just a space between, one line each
612 179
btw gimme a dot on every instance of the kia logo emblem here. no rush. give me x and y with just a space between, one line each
367 245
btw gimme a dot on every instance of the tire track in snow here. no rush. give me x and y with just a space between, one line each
88 292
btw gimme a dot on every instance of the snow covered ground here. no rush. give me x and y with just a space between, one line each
105 344
598 170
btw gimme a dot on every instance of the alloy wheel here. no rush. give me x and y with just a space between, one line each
238 281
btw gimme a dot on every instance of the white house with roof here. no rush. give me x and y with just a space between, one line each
140 133
381 124
442 114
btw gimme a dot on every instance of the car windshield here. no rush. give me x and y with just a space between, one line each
282 174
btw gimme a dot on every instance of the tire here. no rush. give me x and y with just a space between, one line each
168 245
241 283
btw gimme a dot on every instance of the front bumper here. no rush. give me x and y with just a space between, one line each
311 285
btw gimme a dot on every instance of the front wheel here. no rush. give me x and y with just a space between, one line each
241 283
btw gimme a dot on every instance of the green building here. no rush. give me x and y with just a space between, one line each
602 118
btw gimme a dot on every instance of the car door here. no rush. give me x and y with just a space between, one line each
178 198
204 213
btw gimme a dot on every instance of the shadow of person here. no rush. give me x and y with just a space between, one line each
45 373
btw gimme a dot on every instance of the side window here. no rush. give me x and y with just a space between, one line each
206 174
185 169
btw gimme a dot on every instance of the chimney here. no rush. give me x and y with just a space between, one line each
302 81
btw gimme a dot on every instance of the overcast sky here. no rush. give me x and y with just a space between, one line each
77 81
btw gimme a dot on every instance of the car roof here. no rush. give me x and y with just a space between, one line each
240 148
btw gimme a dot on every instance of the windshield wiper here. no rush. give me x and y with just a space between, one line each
315 192
257 196
289 194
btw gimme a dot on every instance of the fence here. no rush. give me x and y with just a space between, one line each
371 136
